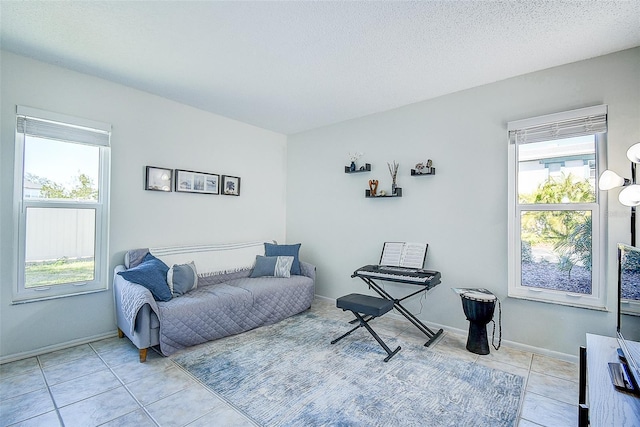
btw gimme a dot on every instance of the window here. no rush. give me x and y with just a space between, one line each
62 206
555 234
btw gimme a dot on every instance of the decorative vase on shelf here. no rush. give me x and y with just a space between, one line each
393 170
352 168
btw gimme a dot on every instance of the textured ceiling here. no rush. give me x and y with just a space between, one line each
294 66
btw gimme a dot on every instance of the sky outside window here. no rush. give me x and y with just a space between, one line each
61 162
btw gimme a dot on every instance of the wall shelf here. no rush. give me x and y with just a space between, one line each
367 168
367 194
415 173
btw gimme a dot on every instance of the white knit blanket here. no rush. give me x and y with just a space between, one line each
212 259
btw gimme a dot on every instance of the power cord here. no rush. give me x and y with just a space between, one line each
423 298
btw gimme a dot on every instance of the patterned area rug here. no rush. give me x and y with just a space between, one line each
288 374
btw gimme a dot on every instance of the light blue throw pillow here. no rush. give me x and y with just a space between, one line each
152 274
275 266
182 278
285 250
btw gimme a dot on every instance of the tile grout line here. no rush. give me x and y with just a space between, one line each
538 394
144 408
197 380
141 406
524 389
57 407
46 383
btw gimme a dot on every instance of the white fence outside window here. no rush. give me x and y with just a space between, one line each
53 234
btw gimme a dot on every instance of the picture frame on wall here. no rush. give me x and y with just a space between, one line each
230 185
197 182
158 179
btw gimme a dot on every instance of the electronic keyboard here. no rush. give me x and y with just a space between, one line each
400 274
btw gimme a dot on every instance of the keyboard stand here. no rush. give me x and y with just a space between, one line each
397 304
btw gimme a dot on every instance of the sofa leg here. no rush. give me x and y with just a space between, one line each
143 355
120 333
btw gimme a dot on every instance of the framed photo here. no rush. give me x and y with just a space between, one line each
230 185
197 182
158 179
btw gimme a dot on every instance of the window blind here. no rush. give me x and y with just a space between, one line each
30 122
568 124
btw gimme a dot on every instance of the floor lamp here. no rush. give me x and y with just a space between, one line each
629 196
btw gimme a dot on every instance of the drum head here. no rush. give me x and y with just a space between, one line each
479 296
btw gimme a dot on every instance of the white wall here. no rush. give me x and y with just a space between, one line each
147 130
462 210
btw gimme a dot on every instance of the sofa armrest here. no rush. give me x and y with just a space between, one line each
140 331
308 270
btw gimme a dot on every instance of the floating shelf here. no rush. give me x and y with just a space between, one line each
367 168
415 173
367 194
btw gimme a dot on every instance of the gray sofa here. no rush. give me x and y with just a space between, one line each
226 301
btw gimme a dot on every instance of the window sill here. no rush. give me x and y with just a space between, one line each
17 300
631 308
593 306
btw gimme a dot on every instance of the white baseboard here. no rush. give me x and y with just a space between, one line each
516 345
55 347
512 344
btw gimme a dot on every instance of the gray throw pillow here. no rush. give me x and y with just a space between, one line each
182 278
274 266
135 257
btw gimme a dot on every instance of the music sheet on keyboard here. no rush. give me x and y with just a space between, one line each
403 254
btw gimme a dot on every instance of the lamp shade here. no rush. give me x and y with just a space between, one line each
633 153
630 196
609 179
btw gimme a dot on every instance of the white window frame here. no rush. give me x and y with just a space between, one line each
597 298
75 125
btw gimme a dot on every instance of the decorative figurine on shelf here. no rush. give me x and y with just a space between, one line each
424 168
354 158
393 170
373 186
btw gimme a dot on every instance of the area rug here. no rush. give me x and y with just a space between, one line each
288 374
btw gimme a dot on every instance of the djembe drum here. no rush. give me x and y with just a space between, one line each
479 308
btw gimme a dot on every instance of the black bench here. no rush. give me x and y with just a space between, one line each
369 306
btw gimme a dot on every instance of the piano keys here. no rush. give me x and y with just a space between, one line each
417 276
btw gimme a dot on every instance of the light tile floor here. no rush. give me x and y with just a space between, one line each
103 384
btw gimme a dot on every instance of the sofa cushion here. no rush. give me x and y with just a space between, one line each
182 278
152 274
285 250
212 312
276 266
